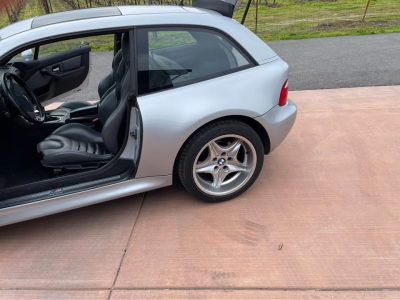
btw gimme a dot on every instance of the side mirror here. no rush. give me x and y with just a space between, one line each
27 55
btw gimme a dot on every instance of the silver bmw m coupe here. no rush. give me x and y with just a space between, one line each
191 95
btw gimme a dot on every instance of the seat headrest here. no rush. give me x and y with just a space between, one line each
125 48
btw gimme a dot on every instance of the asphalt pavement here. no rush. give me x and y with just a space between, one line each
325 63
341 62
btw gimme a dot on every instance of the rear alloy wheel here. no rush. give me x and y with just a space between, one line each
221 161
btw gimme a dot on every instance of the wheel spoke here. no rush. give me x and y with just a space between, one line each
207 162
234 148
236 167
205 169
215 149
219 177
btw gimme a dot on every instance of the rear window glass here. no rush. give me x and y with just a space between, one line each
174 57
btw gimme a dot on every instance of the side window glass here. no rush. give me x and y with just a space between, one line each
163 39
174 57
97 43
57 47
26 55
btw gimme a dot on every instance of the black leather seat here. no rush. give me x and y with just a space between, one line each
105 86
75 146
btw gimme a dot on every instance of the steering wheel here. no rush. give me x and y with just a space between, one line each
22 98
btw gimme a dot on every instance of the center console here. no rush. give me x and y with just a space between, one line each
55 119
84 115
87 115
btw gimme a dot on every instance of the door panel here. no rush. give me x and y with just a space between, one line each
53 75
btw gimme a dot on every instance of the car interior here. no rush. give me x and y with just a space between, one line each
75 137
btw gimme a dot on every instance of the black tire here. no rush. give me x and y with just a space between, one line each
201 138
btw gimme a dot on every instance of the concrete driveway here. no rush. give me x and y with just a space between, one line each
321 222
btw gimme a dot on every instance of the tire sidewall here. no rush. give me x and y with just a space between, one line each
210 133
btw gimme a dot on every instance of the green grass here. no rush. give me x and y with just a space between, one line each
3 18
30 9
288 19
59 5
302 19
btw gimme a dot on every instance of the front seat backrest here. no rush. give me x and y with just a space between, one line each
108 82
113 108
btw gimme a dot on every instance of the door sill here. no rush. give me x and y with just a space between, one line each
64 202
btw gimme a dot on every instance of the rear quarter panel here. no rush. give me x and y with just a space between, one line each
170 117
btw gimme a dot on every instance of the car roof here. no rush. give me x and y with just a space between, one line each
98 12
52 26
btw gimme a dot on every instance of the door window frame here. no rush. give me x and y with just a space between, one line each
106 175
57 38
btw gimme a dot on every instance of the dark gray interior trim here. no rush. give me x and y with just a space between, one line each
74 15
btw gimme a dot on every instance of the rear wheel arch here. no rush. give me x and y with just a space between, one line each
259 129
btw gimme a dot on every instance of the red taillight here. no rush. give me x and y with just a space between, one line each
284 93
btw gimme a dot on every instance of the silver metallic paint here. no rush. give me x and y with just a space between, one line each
171 116
278 122
64 203
15 28
132 147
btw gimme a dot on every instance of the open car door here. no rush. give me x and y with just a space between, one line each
56 75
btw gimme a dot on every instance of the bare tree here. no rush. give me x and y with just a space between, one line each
50 7
13 8
8 12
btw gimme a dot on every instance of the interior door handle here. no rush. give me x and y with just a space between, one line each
60 75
